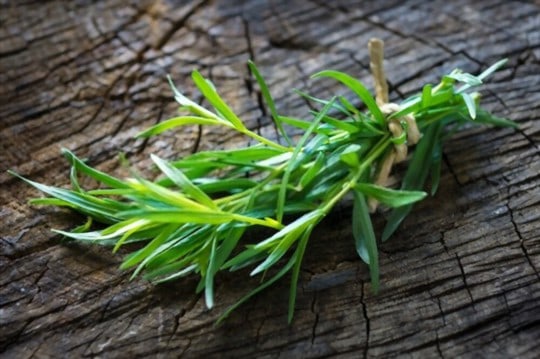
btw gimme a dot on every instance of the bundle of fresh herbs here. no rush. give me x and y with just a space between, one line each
193 218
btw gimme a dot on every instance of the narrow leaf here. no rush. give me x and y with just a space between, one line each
176 122
358 88
310 174
465 78
435 174
279 251
183 182
293 161
269 101
138 256
426 95
179 216
212 96
496 66
469 102
486 118
92 172
298 256
415 176
390 197
260 288
364 237
209 276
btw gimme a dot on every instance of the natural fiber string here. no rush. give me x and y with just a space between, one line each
395 125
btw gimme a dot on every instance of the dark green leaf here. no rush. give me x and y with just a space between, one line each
485 117
260 288
364 238
415 176
269 101
358 88
390 197
294 161
436 166
298 255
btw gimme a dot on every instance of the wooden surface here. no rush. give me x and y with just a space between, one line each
460 279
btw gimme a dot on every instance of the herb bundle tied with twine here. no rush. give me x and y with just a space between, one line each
192 220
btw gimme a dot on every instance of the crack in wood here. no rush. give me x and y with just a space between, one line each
178 24
522 242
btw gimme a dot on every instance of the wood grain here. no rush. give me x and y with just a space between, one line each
461 277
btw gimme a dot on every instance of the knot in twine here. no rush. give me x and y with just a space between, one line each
403 129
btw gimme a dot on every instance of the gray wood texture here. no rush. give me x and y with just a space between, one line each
459 280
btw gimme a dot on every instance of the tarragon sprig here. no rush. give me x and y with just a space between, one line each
193 219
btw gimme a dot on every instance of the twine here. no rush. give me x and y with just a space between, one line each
396 126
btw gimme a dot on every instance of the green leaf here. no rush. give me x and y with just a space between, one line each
485 117
349 106
165 195
465 78
183 182
210 272
182 243
260 288
358 88
215 100
231 236
341 125
92 172
426 95
435 174
298 224
415 176
490 70
102 210
281 248
193 107
83 227
51 202
336 105
269 101
312 171
179 274
117 230
180 216
390 197
469 102
247 257
350 155
364 237
138 256
74 181
294 161
225 185
298 256
176 122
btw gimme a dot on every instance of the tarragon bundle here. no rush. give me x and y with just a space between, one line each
192 220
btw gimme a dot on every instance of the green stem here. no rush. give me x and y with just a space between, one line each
256 221
337 194
266 141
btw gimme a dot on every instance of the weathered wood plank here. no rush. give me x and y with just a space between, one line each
460 279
